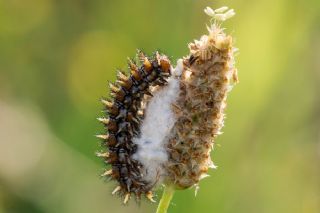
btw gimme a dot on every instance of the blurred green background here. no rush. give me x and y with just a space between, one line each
57 56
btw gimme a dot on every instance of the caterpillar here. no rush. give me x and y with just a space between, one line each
124 113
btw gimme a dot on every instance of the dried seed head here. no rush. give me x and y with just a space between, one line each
207 77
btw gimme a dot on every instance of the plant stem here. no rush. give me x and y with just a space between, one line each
165 199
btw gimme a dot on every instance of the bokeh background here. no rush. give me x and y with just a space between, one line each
57 56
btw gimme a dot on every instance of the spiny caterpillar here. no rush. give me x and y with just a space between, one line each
162 121
124 115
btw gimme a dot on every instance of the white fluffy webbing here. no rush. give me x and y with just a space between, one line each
156 126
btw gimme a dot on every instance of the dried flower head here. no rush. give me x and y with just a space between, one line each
162 122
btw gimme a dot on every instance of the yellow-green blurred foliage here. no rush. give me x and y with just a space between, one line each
57 56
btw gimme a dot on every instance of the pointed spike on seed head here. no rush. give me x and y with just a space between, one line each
235 76
204 176
211 165
196 189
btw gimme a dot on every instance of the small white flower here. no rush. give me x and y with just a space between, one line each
229 14
209 11
221 9
219 14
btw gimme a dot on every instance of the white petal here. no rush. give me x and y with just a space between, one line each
203 176
229 14
221 10
209 11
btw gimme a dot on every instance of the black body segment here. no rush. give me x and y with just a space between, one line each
124 114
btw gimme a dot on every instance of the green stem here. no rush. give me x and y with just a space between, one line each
165 200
